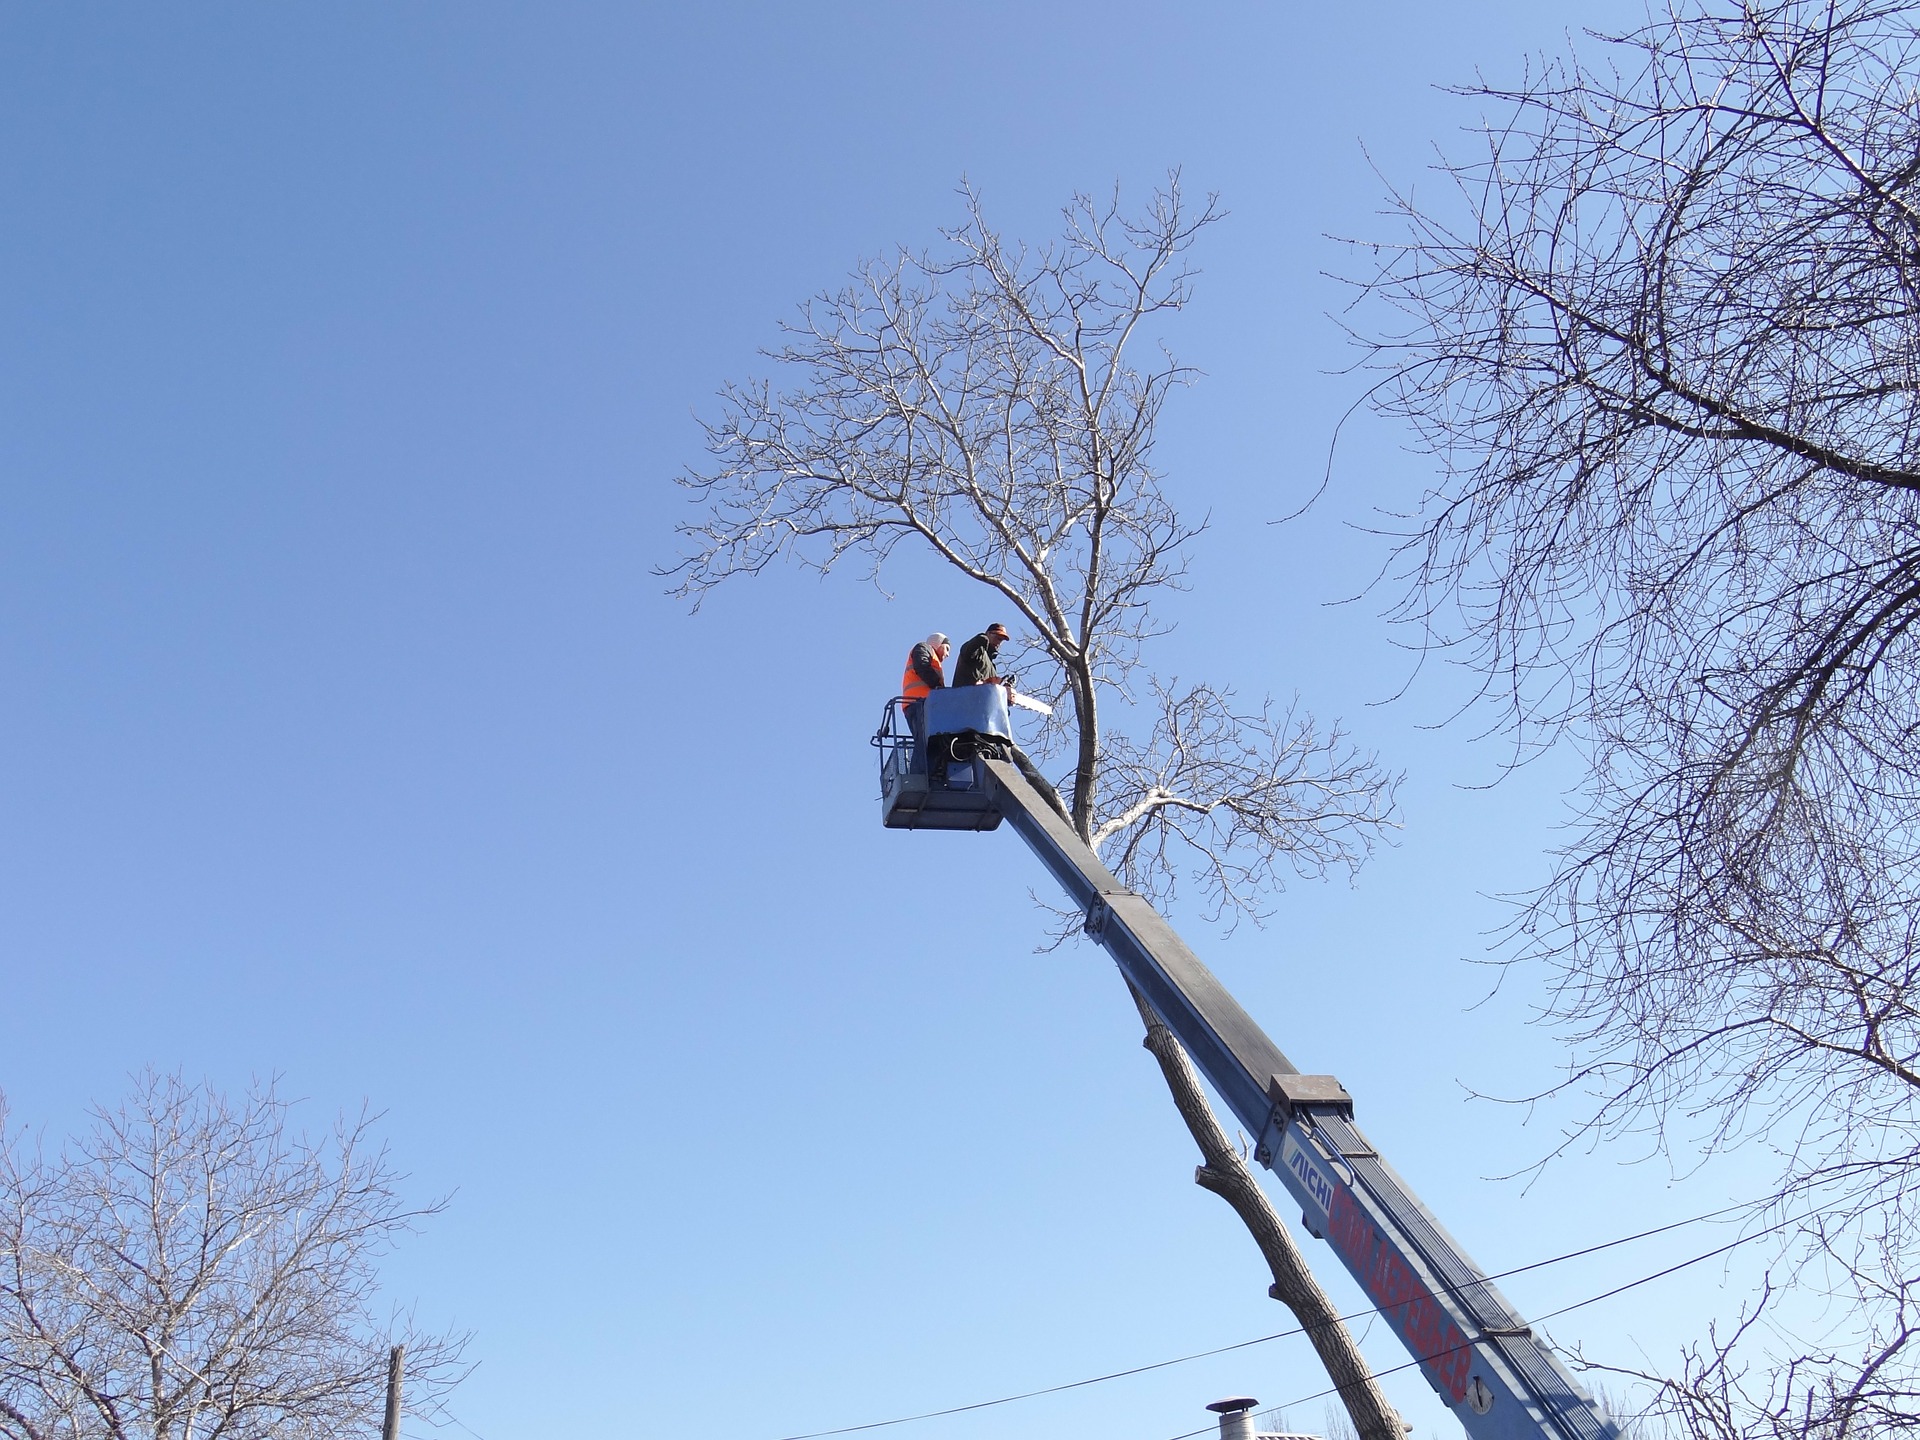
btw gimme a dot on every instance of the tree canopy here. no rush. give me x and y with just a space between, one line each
1659 333
193 1269
996 407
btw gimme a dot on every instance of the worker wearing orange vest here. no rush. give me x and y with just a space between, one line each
920 679
924 674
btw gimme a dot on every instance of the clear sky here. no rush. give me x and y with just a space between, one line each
346 354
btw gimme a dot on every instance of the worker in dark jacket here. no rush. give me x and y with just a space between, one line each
975 665
924 675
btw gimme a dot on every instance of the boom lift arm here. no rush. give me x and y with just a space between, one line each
1481 1357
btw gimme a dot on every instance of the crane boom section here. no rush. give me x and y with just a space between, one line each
1481 1358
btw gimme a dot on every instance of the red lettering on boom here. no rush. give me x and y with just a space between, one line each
1392 1284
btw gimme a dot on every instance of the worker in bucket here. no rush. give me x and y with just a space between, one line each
975 665
925 673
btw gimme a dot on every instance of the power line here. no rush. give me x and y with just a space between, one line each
1563 1310
1259 1340
1048 1390
441 1416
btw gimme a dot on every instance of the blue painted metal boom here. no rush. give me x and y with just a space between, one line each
1479 1356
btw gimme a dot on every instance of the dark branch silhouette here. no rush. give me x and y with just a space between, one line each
1662 335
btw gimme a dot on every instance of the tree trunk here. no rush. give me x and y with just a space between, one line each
1086 764
390 1430
1226 1175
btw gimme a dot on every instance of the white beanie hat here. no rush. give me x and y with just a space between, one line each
936 638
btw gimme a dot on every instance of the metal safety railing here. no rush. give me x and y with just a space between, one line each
894 740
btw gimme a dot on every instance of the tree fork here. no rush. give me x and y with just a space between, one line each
1226 1174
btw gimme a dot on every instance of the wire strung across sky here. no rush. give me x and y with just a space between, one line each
1563 1310
1297 1330
440 1417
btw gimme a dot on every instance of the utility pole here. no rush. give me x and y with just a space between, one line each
391 1429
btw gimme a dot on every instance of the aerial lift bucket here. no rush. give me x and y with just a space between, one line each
941 784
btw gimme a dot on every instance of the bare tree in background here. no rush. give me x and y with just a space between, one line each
1663 336
192 1270
987 405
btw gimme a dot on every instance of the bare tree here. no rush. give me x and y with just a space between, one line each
193 1270
986 405
1662 333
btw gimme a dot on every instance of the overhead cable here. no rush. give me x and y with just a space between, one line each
1262 1339
1563 1310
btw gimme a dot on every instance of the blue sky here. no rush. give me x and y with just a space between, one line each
346 356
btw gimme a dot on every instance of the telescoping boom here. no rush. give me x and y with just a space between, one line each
947 772
1477 1354
954 768
1481 1357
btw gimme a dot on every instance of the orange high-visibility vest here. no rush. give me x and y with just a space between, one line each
912 687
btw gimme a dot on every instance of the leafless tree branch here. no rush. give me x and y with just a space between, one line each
194 1270
1662 337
